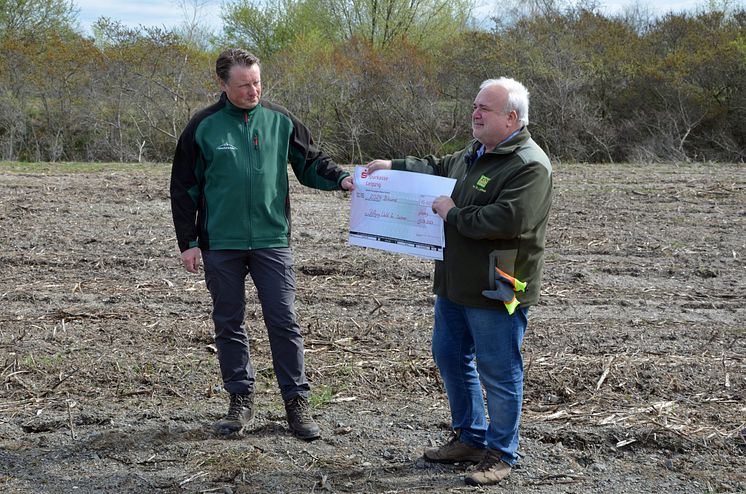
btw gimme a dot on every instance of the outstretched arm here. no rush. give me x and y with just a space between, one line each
378 165
347 183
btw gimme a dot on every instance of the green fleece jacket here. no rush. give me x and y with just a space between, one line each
502 206
229 180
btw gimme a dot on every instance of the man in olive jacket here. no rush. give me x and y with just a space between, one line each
495 226
231 208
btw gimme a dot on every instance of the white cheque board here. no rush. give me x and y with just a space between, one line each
392 210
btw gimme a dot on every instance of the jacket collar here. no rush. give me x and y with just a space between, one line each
506 147
514 142
233 109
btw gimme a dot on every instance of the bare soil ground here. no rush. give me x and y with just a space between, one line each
635 359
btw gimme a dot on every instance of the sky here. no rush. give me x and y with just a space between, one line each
168 13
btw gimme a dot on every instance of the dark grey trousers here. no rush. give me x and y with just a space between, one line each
272 272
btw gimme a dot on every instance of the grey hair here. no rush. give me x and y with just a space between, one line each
517 96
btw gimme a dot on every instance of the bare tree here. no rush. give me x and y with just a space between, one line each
194 28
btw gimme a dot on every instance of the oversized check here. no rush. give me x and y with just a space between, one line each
392 210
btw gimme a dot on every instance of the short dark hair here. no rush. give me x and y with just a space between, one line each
233 56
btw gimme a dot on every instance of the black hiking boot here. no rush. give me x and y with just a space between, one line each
300 420
240 414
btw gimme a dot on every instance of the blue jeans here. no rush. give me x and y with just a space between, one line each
472 345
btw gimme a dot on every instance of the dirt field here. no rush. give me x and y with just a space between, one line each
635 359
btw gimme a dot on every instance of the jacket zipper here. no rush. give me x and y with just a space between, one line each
248 177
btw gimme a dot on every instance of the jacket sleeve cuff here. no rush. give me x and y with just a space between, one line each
188 245
399 164
342 177
452 215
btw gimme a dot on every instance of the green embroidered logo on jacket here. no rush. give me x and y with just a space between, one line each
481 184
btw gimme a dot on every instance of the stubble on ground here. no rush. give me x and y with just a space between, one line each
634 358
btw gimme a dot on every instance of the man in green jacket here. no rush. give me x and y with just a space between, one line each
231 209
495 225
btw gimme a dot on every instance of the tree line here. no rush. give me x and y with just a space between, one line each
381 78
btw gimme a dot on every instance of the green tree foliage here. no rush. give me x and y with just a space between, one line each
691 87
46 85
384 23
271 27
382 78
36 16
154 78
614 89
124 96
359 101
575 83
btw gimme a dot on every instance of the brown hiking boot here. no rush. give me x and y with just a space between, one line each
240 414
454 451
300 420
490 470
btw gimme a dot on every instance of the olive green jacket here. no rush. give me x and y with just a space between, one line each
500 220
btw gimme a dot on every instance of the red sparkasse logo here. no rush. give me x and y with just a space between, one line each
364 173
